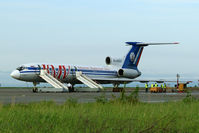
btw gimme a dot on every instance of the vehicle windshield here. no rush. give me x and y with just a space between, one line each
21 68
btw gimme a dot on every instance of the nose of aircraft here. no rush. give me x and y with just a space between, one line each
15 74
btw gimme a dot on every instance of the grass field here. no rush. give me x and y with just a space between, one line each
120 115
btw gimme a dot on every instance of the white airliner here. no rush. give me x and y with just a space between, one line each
117 71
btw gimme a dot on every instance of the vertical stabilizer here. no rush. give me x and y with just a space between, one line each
132 59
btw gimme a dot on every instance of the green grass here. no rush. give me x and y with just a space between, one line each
108 117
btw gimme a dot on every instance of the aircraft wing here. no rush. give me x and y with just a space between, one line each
126 80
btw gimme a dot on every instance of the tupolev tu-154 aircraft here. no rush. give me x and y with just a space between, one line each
116 71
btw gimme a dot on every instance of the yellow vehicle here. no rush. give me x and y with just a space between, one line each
157 89
181 87
154 89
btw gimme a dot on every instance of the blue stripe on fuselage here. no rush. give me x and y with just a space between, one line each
83 70
71 73
87 72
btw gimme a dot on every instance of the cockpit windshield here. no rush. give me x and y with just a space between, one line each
21 68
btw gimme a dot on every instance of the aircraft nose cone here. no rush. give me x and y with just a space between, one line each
15 74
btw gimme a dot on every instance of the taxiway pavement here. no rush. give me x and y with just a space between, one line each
8 96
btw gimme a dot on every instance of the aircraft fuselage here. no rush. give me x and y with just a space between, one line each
66 73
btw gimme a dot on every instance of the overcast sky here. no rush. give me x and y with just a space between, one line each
86 31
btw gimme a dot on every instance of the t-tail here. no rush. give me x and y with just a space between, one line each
132 59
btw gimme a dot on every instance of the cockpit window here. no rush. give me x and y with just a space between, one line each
21 68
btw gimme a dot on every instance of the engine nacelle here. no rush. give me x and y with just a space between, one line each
113 61
128 73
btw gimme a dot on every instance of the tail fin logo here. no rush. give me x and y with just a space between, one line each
132 56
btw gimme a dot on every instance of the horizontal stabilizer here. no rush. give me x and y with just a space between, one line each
146 44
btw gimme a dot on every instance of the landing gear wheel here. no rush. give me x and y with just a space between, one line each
71 89
34 90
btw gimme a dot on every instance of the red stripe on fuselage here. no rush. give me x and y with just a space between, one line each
68 71
44 66
60 71
139 57
64 72
48 69
53 70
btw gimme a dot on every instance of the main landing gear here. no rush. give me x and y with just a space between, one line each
71 87
35 89
116 88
